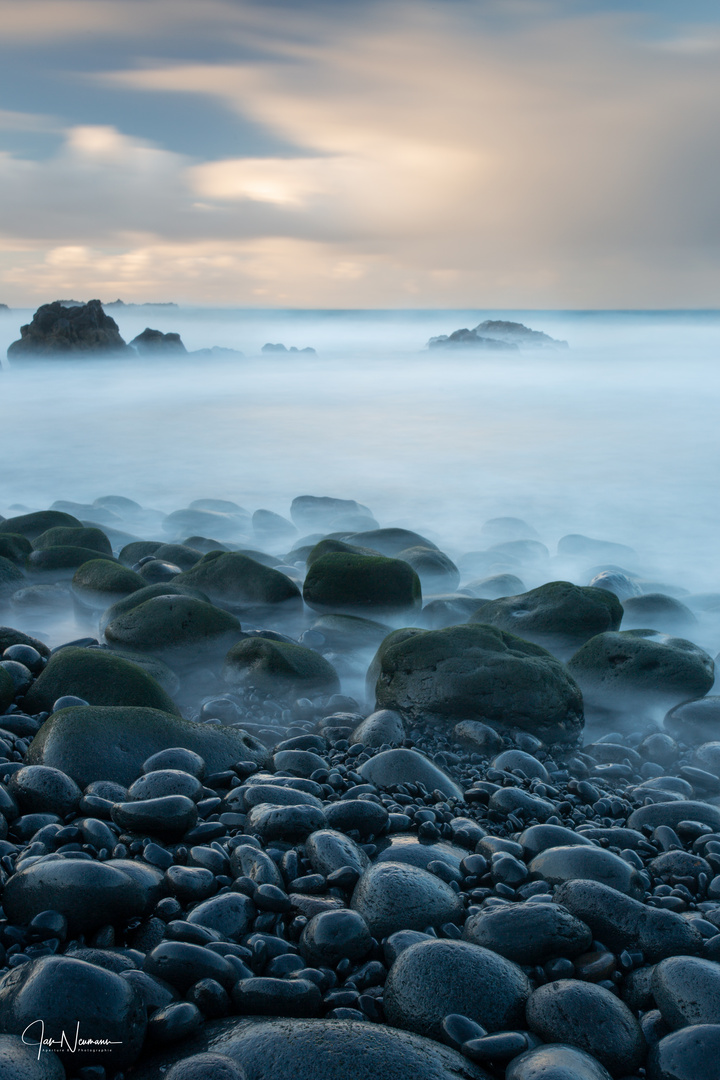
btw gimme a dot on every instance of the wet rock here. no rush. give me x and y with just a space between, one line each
175 628
60 563
7 689
156 343
620 922
344 633
182 964
87 537
19 1060
638 670
239 584
477 672
89 744
687 991
17 548
656 611
170 815
357 815
11 578
688 1054
65 993
588 1017
539 838
42 790
559 616
98 583
206 1067
406 848
249 861
333 936
230 914
277 997
437 572
148 592
380 727
671 813
695 721
394 896
433 978
329 850
477 737
57 331
89 894
359 584
34 524
392 767
279 667
157 783
513 800
577 862
100 678
529 933
556 1063
519 761
288 823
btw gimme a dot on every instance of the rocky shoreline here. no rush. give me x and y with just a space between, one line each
311 798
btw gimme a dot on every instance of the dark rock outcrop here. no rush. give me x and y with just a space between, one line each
154 343
60 331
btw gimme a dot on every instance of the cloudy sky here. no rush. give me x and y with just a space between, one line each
361 153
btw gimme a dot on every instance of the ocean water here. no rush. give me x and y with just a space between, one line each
616 437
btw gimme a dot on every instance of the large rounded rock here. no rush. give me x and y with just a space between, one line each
391 541
86 537
60 563
406 848
345 633
99 678
656 611
20 1061
556 1063
591 1018
529 933
112 743
559 616
97 583
7 690
434 978
577 862
11 578
436 570
477 672
320 1050
672 813
89 894
401 766
39 521
240 584
75 999
394 896
278 667
383 726
175 628
314 512
16 548
695 721
687 991
329 850
637 670
39 789
9 636
332 936
359 584
689 1054
149 592
620 922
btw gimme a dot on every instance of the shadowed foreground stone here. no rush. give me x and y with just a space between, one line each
100 678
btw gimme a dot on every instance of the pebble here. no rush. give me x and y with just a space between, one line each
560 864
529 933
333 936
394 896
556 1063
167 815
393 767
330 851
687 991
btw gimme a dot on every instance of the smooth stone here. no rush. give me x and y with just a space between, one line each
169 815
556 1063
394 896
513 800
695 721
39 789
512 760
100 678
406 848
277 997
161 782
230 914
687 991
148 592
560 864
329 850
37 522
279 668
240 584
380 727
182 964
350 583
529 933
689 1054
477 737
539 838
175 628
190 883
249 861
206 1067
63 993
20 1061
434 978
98 583
671 813
148 880
332 936
400 766
620 922
590 1018
360 815
272 822
176 757
109 743
298 762
308 1049
174 1023
254 794
89 894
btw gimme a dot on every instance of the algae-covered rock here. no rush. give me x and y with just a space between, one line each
361 583
97 676
39 521
278 667
61 561
99 583
235 582
174 627
86 537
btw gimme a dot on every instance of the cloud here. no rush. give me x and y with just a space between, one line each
447 153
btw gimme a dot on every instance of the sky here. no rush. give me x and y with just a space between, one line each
361 153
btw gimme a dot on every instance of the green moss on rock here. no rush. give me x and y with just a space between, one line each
97 676
345 582
277 667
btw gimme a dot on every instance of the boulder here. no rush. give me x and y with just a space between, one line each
59 332
559 616
97 583
357 584
11 578
155 343
60 562
477 672
636 670
14 547
469 339
239 584
437 572
277 667
86 537
313 513
390 542
175 628
111 743
39 521
148 592
100 678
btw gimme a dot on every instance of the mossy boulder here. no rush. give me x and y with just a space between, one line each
316 512
7 690
62 561
111 743
175 628
226 525
97 676
35 524
133 600
345 633
10 636
559 616
330 546
136 550
238 583
62 536
390 542
640 672
179 554
11 578
436 570
477 672
358 584
279 668
14 547
100 582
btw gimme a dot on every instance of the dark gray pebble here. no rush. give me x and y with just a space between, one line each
392 896
529 933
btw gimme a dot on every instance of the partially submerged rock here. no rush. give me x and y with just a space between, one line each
57 331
